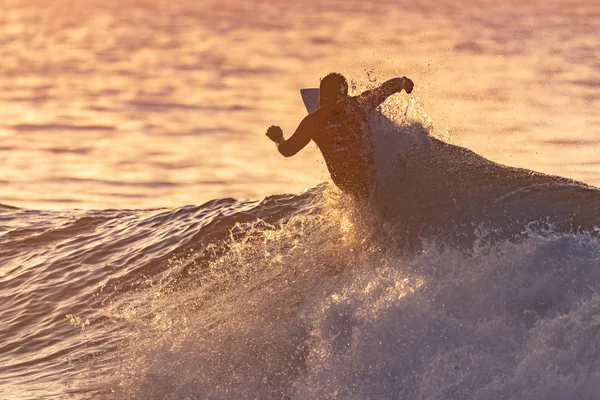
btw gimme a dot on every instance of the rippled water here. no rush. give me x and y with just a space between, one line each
464 279
138 104
292 296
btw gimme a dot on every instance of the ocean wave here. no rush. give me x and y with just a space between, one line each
320 307
460 278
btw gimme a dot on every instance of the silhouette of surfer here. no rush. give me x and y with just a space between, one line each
337 129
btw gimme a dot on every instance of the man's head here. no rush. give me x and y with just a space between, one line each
333 88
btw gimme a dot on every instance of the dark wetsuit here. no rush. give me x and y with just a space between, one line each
339 132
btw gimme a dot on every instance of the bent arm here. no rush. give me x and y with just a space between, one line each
298 140
373 98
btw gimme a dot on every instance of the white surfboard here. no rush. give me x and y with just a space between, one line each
310 97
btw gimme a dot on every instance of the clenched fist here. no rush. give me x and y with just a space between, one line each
275 134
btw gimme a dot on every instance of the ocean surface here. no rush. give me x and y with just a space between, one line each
154 244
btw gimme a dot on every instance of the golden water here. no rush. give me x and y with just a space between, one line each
138 104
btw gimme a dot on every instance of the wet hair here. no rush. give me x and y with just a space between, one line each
332 87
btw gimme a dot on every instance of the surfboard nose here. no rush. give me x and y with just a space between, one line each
310 97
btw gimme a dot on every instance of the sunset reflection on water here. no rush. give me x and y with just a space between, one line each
141 104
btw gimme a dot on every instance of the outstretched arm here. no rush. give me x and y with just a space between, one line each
373 98
294 143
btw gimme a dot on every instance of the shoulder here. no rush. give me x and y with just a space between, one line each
313 122
355 100
318 116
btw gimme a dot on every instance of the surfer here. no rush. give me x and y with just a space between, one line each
337 129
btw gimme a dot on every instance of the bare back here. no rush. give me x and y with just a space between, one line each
345 148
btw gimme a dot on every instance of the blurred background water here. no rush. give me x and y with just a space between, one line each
138 104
